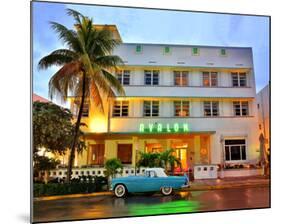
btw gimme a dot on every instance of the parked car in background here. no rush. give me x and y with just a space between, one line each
153 180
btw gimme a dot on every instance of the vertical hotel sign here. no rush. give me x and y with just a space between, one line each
164 128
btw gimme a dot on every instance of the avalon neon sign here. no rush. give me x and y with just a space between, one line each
163 128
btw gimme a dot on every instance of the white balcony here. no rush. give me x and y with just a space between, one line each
196 92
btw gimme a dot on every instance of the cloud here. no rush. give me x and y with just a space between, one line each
158 26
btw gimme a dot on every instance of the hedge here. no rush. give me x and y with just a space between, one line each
49 189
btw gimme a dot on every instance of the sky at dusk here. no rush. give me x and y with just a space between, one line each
153 26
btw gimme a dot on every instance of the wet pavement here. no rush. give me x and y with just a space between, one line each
141 205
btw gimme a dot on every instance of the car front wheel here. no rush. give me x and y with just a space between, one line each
166 190
120 191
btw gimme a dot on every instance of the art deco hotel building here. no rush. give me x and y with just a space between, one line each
197 100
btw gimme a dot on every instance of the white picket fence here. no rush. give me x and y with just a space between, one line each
96 171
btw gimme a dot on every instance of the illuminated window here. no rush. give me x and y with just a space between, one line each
210 79
241 108
211 108
121 108
180 78
150 108
195 51
239 79
138 49
123 77
235 149
151 77
181 108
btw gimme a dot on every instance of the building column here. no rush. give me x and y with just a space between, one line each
110 149
197 146
136 149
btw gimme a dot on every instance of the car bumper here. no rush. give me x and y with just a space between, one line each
185 186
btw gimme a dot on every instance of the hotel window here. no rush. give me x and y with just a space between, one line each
235 149
210 79
239 79
138 49
181 108
222 52
150 108
121 109
151 77
211 108
241 108
180 78
195 51
123 77
124 153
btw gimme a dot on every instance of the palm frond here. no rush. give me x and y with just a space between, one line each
75 14
57 57
103 43
95 95
109 61
64 80
113 82
67 36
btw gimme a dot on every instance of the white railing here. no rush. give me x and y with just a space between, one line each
92 171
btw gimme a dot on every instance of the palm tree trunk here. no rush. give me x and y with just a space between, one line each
76 131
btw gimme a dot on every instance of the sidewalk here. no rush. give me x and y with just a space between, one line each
196 185
229 182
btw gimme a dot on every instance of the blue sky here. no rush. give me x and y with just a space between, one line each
154 26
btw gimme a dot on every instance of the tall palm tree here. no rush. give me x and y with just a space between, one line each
86 68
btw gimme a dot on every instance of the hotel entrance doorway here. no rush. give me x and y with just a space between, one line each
185 155
181 154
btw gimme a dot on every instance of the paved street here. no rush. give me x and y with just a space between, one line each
138 205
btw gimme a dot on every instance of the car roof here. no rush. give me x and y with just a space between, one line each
155 169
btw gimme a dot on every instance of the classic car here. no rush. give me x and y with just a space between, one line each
153 180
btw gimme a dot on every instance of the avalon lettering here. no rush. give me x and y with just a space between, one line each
163 128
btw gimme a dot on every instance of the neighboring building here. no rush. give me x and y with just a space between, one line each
198 100
36 97
263 113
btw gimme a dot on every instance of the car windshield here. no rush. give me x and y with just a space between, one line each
155 173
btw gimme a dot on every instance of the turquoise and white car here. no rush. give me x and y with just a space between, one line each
153 180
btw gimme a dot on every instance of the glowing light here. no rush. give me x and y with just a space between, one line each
141 127
167 128
171 207
176 127
98 124
159 127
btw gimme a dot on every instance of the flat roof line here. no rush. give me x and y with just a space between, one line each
185 45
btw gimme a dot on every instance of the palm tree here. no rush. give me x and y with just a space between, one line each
86 68
148 159
167 158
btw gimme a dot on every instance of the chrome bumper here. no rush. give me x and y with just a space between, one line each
185 186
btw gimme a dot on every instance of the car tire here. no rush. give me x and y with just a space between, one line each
166 191
120 191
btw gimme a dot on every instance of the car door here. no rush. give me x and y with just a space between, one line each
149 182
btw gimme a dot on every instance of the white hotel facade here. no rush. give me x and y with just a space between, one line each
198 100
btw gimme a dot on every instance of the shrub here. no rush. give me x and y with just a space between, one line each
77 185
113 166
